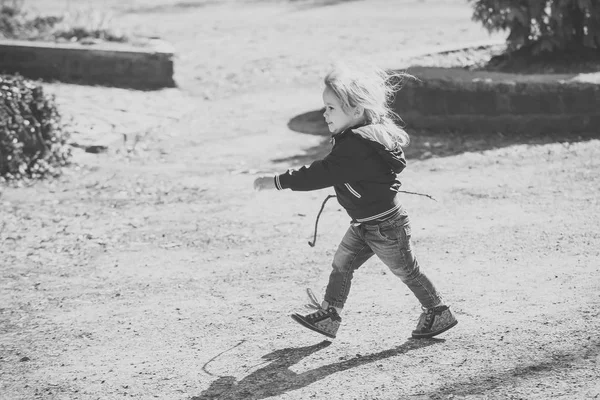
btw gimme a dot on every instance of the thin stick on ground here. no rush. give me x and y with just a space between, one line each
314 241
418 194
217 356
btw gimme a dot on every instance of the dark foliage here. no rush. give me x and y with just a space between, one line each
543 25
33 141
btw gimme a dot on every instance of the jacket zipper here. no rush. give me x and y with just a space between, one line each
354 192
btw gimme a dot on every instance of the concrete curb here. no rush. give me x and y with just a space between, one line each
456 99
110 64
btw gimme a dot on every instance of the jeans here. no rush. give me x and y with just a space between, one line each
391 242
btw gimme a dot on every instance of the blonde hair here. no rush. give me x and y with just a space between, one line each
369 87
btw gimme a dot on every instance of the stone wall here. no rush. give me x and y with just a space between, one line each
462 100
121 65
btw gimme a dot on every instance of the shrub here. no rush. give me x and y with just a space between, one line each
543 25
16 23
33 141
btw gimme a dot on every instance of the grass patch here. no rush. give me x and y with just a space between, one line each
85 26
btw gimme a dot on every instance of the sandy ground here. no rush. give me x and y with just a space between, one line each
160 273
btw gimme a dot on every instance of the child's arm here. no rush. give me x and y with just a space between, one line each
344 164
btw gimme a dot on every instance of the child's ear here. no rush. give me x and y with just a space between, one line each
359 111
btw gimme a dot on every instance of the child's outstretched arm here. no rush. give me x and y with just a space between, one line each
343 164
264 183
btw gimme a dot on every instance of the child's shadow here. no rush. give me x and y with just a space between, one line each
277 378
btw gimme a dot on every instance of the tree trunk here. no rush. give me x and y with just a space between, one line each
577 19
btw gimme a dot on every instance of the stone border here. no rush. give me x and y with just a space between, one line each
121 65
455 99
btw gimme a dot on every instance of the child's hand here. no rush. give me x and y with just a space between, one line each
264 182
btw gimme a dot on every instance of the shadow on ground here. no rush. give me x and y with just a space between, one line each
277 378
178 7
185 6
492 383
303 4
426 144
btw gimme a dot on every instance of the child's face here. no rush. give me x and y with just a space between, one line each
336 117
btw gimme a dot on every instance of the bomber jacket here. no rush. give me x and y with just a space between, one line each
362 167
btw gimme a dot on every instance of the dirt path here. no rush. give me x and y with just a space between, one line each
161 274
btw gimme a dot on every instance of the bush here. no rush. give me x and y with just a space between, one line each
33 141
16 23
543 25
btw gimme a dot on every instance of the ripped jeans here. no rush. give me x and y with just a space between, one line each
391 242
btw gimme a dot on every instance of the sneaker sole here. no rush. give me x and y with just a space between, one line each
299 319
432 334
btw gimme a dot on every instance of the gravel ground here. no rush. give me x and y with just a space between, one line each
160 273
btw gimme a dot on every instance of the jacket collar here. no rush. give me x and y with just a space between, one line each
337 136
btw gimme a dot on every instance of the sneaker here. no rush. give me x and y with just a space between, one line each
324 321
434 321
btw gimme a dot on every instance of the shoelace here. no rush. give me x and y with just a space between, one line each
429 314
314 305
314 302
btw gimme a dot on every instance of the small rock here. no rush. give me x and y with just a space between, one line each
96 149
23 359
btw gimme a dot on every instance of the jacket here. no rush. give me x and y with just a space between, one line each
362 167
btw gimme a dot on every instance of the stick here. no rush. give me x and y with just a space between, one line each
419 194
317 220
218 355
314 241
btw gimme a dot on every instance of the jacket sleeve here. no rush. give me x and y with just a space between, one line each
340 166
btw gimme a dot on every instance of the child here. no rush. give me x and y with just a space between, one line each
362 167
